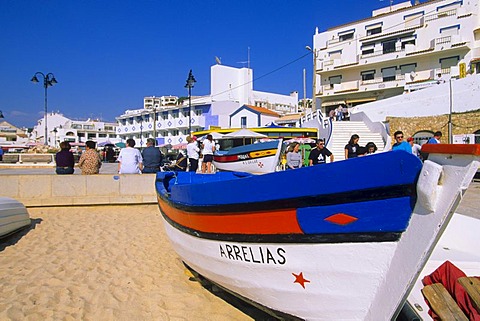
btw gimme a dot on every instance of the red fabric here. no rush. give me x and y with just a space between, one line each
447 274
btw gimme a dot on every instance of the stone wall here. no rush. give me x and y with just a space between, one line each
462 123
68 190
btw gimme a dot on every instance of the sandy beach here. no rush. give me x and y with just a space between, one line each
111 263
102 263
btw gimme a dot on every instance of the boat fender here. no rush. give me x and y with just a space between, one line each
429 185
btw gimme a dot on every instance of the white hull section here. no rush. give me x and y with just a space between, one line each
459 245
348 281
258 165
13 216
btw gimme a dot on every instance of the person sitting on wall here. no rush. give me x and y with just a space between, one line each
64 160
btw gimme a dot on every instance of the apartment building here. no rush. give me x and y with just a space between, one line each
400 48
170 122
61 128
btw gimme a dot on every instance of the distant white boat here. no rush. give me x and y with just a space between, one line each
13 216
257 158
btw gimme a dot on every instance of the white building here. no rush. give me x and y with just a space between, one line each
61 128
231 88
400 48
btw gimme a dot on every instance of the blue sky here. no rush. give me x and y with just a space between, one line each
108 55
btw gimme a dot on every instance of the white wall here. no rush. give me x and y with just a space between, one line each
427 102
232 84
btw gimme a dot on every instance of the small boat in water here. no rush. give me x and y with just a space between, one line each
326 242
13 216
259 157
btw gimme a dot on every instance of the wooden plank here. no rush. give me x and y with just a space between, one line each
442 303
472 286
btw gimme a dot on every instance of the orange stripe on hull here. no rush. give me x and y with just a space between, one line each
466 149
263 222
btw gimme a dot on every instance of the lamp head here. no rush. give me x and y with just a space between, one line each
190 80
34 79
1 114
53 81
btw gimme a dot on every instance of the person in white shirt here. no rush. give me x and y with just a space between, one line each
130 160
207 151
193 153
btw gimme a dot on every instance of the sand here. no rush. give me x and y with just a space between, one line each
100 263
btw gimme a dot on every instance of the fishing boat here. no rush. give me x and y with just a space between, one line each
338 241
13 216
260 157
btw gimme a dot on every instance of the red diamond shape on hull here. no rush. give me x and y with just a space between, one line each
341 219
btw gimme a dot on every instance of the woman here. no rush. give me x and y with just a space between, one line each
130 160
294 158
90 161
193 153
352 148
64 159
371 148
207 152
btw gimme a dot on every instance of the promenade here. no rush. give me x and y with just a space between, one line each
111 262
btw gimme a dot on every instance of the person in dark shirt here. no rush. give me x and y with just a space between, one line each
152 157
319 154
64 160
352 149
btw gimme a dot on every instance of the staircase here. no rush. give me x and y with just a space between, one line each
343 130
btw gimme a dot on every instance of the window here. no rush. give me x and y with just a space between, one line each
407 40
76 126
88 127
81 134
406 69
108 127
165 116
368 75
346 35
102 135
450 31
389 46
374 29
91 135
175 132
146 117
198 112
446 63
368 49
175 114
413 20
243 122
335 80
335 54
388 74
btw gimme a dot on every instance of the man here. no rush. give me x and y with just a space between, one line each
90 161
400 144
319 154
435 139
130 160
152 157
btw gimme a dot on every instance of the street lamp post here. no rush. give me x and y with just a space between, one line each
190 83
314 83
48 80
55 137
141 131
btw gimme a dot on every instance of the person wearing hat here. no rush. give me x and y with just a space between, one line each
416 149
193 153
152 157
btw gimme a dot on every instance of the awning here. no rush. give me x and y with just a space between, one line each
333 103
361 100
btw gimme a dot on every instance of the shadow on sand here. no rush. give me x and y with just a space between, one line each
14 237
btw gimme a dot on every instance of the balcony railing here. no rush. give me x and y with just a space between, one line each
443 14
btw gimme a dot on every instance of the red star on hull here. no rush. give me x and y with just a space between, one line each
300 279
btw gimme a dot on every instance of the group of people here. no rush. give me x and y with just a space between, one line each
317 156
132 161
194 149
410 146
340 113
